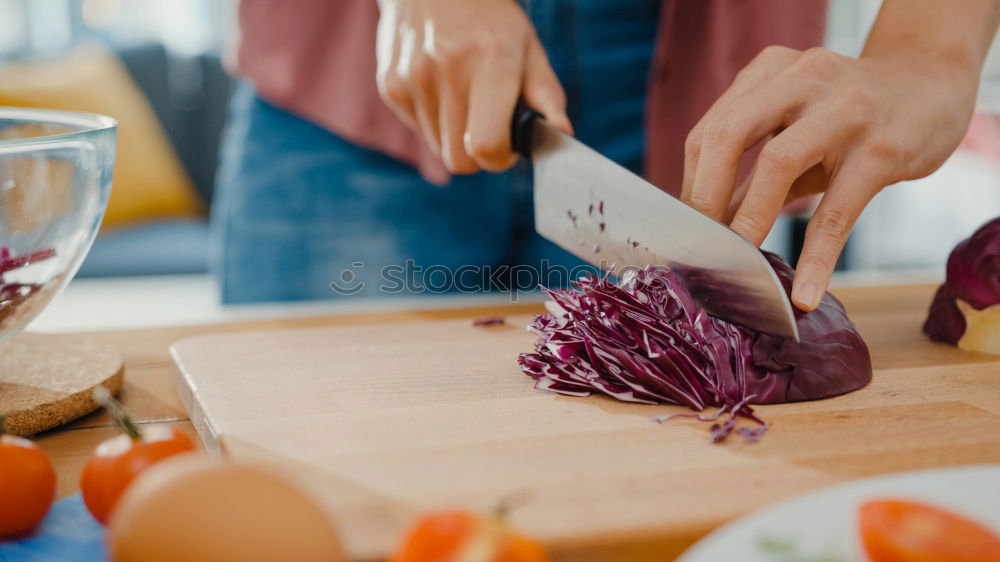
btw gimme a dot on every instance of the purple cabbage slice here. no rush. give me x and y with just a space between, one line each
12 294
645 340
966 308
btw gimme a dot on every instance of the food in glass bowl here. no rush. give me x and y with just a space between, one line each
55 179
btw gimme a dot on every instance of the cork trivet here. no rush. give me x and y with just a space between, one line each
47 380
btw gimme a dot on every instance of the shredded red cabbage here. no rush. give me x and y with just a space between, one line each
645 340
489 321
13 294
973 276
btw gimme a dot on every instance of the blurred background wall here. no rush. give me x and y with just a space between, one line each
156 65
914 225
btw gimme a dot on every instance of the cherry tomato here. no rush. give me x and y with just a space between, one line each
27 486
460 535
906 531
117 461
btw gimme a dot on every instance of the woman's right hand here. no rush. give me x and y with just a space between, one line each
454 69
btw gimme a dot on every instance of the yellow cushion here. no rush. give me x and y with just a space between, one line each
150 181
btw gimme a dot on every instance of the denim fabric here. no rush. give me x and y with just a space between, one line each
298 208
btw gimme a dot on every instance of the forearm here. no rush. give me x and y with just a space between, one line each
944 35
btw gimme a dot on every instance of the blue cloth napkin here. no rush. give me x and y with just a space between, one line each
68 533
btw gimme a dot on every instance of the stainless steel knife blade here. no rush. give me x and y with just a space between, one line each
608 216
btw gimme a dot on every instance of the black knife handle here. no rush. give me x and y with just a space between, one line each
521 127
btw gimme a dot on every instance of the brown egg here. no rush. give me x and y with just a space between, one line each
194 509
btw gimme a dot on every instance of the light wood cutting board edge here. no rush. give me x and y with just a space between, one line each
196 412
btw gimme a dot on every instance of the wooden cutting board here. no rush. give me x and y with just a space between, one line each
385 421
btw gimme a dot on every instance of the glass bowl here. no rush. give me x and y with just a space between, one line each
55 178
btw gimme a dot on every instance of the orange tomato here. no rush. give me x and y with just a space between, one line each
460 535
27 486
117 461
906 531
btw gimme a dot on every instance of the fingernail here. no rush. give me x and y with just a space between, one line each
807 297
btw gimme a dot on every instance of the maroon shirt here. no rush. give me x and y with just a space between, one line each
317 60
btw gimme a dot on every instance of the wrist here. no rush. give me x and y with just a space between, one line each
937 57
953 66
942 40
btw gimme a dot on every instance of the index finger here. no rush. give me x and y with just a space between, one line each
737 126
493 94
826 234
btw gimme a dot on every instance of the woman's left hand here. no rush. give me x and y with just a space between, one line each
831 124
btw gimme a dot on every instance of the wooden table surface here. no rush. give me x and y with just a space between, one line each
150 397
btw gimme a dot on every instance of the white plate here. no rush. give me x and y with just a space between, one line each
823 524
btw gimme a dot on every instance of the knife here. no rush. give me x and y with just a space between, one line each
610 217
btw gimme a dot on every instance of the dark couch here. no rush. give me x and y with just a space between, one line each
189 96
